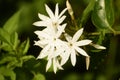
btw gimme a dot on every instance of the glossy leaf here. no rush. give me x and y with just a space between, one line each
87 11
103 14
11 25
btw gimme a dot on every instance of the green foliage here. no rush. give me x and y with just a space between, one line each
4 36
16 64
87 12
1 77
13 51
7 73
12 24
39 77
103 14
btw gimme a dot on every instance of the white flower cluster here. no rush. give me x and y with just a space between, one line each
58 51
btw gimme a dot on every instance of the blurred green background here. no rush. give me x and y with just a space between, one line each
105 65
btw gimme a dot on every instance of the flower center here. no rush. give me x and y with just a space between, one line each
55 24
70 44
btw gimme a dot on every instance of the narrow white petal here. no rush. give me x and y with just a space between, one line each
83 42
77 35
62 12
58 65
42 34
61 19
51 52
56 10
40 44
73 57
49 11
44 52
61 29
49 63
81 51
65 56
40 23
68 37
54 65
43 17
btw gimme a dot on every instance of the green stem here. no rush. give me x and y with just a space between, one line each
97 33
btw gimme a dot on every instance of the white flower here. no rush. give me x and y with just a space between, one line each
56 64
54 20
50 42
74 47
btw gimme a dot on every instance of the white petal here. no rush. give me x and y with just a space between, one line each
44 52
40 44
60 30
43 17
56 10
61 19
77 35
73 57
81 51
40 23
42 34
62 12
54 65
51 52
68 37
83 42
49 63
65 56
58 65
49 11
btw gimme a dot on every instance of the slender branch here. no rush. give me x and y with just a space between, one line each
97 33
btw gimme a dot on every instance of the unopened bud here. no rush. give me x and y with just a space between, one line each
97 46
87 62
70 10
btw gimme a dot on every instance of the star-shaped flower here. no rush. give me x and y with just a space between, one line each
54 20
50 42
74 47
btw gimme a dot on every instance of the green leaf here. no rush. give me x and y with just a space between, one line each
12 24
27 57
87 12
103 14
14 40
7 59
39 77
24 47
1 77
6 47
15 63
4 36
8 72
